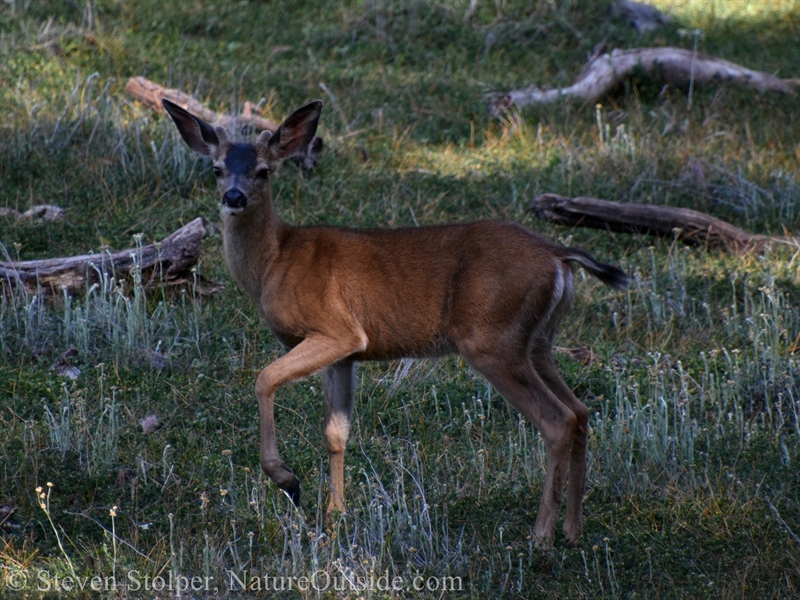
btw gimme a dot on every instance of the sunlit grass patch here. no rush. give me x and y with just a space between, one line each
724 9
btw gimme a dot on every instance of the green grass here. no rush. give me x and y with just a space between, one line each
693 484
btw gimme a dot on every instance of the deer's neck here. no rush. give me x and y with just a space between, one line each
250 243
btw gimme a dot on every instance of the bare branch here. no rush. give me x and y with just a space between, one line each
168 262
687 225
677 65
780 520
151 94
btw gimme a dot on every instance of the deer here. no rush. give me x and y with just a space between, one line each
492 292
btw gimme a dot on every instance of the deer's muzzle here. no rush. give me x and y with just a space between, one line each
234 199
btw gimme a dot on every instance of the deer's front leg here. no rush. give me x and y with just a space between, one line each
312 354
338 382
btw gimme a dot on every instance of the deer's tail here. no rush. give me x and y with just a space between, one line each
608 274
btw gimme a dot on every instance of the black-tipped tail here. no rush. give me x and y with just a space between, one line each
608 274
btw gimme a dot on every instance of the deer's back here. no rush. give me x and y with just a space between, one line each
414 292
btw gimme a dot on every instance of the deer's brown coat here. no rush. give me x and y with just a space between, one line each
492 292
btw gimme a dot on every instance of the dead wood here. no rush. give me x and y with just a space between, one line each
687 225
151 94
581 354
63 366
38 213
639 15
677 66
6 512
168 262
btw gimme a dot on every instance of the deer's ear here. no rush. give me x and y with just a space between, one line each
199 135
295 133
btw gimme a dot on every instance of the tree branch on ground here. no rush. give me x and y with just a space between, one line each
642 17
151 94
677 66
168 262
687 225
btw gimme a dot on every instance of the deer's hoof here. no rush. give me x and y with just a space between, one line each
543 542
573 537
293 491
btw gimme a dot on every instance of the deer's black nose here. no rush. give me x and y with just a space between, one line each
234 198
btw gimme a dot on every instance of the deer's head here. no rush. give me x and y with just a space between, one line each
242 169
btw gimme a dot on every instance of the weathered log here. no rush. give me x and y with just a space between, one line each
38 213
151 94
687 225
6 512
677 66
168 262
639 15
581 354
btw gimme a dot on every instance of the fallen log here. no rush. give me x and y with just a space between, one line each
6 512
38 213
677 66
151 94
168 262
642 17
689 226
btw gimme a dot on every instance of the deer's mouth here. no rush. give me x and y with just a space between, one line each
232 210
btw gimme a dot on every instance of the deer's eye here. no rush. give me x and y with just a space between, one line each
262 173
217 171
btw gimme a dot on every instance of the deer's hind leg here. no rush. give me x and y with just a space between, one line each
545 366
521 385
541 354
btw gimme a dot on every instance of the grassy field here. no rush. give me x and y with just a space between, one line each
693 484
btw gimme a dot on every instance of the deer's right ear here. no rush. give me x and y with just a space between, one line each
198 134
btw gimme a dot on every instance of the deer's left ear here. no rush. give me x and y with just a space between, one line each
294 134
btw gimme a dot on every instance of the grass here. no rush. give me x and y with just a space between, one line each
695 429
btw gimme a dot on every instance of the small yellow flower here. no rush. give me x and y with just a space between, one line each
39 490
223 492
113 511
49 484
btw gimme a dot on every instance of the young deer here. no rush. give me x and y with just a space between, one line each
492 292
